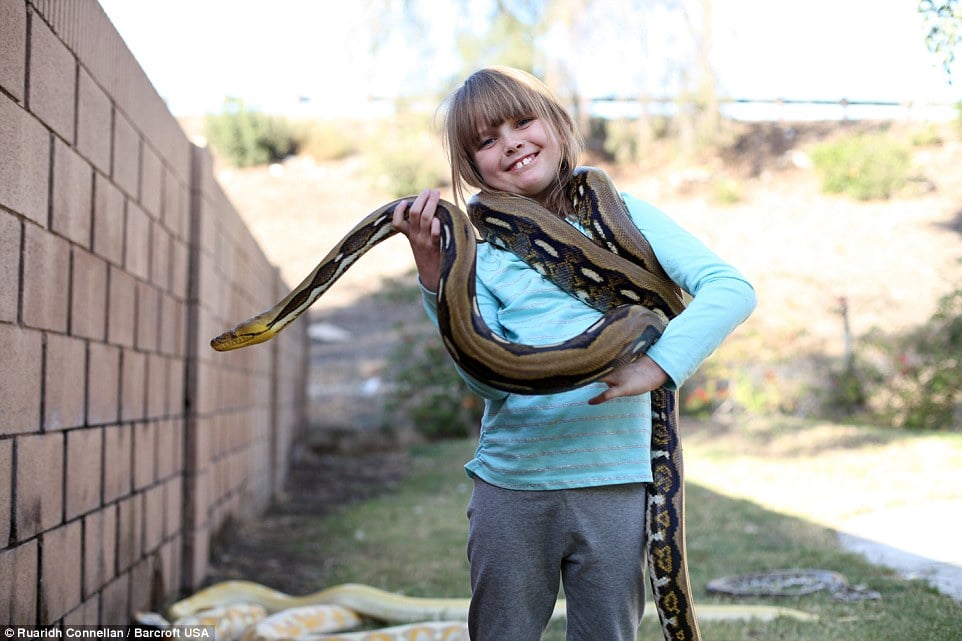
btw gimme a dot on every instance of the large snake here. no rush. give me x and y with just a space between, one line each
614 270
254 612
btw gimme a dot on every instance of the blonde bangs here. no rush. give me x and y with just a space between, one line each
488 98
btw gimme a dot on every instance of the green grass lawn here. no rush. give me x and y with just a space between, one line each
753 497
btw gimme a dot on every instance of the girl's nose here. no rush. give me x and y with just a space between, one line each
511 146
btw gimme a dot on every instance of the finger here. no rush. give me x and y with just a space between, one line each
429 210
399 217
418 207
600 398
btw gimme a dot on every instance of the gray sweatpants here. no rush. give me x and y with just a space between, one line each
522 543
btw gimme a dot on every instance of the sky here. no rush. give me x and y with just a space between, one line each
319 55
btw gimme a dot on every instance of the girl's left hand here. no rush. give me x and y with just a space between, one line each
638 377
417 221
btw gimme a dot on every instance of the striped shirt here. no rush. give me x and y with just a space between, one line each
558 441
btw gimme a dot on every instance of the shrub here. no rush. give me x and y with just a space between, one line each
864 166
427 390
246 138
919 375
424 386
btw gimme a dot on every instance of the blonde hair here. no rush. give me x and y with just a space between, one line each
488 98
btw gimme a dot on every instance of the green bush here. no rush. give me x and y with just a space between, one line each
864 166
918 376
246 138
427 390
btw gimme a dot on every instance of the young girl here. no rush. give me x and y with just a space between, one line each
559 479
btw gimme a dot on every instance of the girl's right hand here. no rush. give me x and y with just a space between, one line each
417 221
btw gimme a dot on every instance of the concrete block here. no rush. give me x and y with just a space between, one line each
108 234
176 202
100 533
140 574
6 492
180 255
129 531
84 463
46 277
173 506
158 373
148 313
171 339
145 446
151 182
153 518
88 614
38 493
197 499
21 385
126 156
88 305
13 46
197 558
19 576
115 601
137 242
164 467
70 211
176 392
122 309
160 253
170 562
65 378
93 122
133 377
61 575
53 74
103 384
24 162
118 444
10 237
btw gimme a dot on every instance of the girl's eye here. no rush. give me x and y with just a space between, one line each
524 122
485 143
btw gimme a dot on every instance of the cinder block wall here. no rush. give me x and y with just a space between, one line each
125 442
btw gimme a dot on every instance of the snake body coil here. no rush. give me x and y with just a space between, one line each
612 268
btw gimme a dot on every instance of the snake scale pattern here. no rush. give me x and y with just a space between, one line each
612 268
248 611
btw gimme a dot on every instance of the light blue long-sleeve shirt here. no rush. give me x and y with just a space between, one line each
557 441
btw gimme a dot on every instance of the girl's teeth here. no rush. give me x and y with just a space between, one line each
522 163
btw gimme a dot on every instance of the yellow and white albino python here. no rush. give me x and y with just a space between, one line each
614 270
316 616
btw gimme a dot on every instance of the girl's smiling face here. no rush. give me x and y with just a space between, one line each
519 156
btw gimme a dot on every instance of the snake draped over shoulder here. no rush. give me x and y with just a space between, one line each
610 267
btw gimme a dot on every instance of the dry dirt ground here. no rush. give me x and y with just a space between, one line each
802 250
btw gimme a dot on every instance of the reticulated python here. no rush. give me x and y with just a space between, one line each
614 271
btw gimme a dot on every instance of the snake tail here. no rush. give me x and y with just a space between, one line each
666 549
